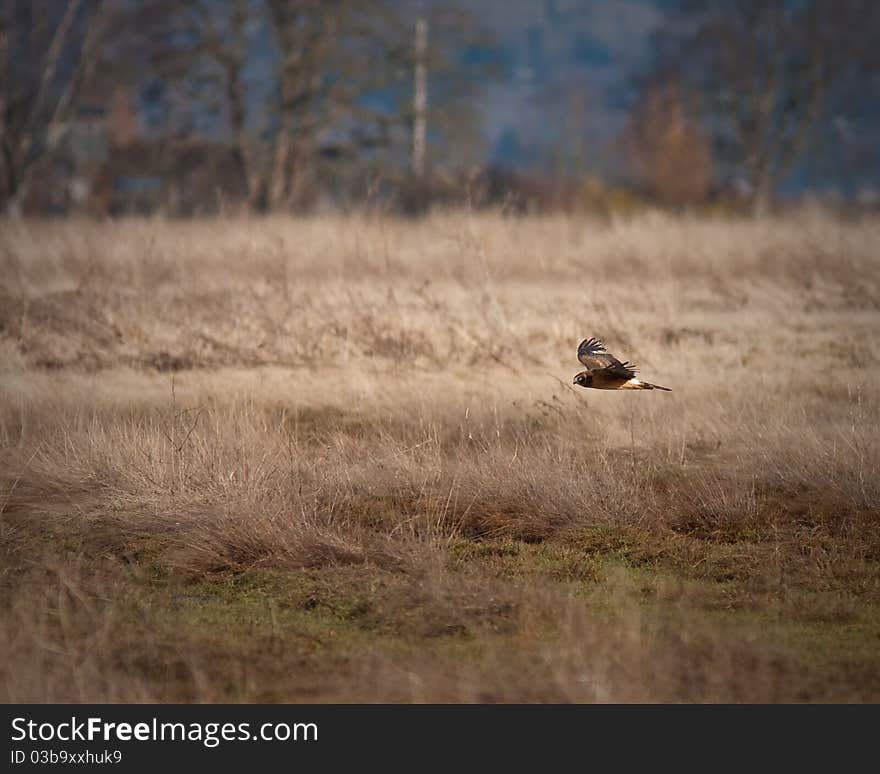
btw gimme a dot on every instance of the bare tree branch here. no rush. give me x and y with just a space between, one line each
51 65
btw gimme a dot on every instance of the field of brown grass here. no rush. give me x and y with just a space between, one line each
341 459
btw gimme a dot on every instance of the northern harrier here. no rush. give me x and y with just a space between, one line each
606 372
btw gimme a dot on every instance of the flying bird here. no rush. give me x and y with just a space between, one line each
606 372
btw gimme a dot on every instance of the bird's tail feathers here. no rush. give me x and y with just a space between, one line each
636 384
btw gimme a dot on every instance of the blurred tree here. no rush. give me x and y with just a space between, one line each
441 73
344 86
322 72
226 41
764 73
347 93
670 151
309 97
47 52
123 123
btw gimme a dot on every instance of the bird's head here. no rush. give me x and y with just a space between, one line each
584 379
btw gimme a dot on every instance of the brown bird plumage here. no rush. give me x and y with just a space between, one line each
606 372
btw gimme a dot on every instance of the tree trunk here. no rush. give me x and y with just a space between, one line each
420 100
235 93
5 159
279 186
20 152
762 196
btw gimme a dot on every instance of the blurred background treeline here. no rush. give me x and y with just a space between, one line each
190 107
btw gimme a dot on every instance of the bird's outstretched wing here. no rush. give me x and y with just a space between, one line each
592 354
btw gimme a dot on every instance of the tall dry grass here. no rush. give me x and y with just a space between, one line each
210 400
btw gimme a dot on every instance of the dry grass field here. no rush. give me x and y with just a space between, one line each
341 459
